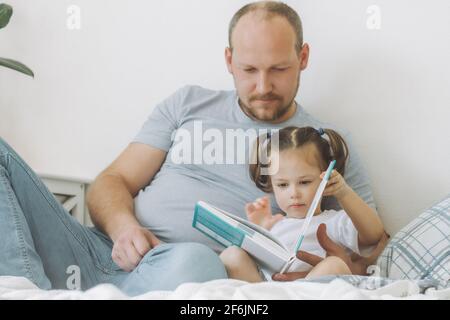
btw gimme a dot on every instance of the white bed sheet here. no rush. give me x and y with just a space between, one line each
22 288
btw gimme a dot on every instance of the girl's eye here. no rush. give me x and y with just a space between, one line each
282 185
305 182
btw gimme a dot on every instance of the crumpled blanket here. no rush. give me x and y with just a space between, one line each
228 289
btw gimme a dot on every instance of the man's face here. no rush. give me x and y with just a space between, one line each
266 67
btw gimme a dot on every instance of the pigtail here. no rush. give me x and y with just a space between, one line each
338 148
262 181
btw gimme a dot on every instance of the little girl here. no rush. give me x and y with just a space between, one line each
295 169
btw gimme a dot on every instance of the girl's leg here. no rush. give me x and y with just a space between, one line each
329 266
240 265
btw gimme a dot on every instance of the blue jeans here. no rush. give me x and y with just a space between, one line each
41 241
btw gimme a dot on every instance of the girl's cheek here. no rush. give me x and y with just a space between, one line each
281 201
278 197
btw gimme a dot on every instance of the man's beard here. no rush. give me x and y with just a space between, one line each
278 114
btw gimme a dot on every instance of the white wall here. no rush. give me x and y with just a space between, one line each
95 86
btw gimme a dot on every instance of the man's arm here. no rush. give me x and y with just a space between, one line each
356 263
111 205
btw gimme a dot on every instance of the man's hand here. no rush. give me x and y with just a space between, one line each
357 264
130 246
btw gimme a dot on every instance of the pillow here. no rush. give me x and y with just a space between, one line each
421 250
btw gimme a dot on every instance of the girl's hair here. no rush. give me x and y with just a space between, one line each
333 148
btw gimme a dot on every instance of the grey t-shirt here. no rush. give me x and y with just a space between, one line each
208 170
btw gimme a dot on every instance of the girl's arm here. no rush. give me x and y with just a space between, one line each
366 221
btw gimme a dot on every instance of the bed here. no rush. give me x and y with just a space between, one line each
337 288
414 265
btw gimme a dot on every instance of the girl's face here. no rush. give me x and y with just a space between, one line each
297 180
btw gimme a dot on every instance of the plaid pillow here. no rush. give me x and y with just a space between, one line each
421 250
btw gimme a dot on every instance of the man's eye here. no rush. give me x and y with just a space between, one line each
249 70
280 69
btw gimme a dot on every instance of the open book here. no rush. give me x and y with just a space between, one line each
229 230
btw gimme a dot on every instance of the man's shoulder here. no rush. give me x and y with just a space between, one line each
198 100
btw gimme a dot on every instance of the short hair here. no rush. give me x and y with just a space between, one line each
270 9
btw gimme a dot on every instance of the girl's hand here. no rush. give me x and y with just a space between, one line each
260 213
336 185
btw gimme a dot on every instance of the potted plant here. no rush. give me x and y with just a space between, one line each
6 12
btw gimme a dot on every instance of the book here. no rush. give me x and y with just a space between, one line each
231 230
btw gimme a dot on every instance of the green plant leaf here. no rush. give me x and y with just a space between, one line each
6 12
16 65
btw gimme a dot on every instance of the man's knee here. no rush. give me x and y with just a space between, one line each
202 259
195 261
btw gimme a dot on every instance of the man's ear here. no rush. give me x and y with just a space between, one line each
304 56
228 59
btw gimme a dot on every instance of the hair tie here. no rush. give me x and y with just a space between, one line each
320 131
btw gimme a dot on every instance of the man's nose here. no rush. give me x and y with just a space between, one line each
264 84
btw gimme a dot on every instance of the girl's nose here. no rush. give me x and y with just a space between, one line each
295 193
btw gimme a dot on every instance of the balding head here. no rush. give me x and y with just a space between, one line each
266 10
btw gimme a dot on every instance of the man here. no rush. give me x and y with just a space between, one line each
266 56
142 203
